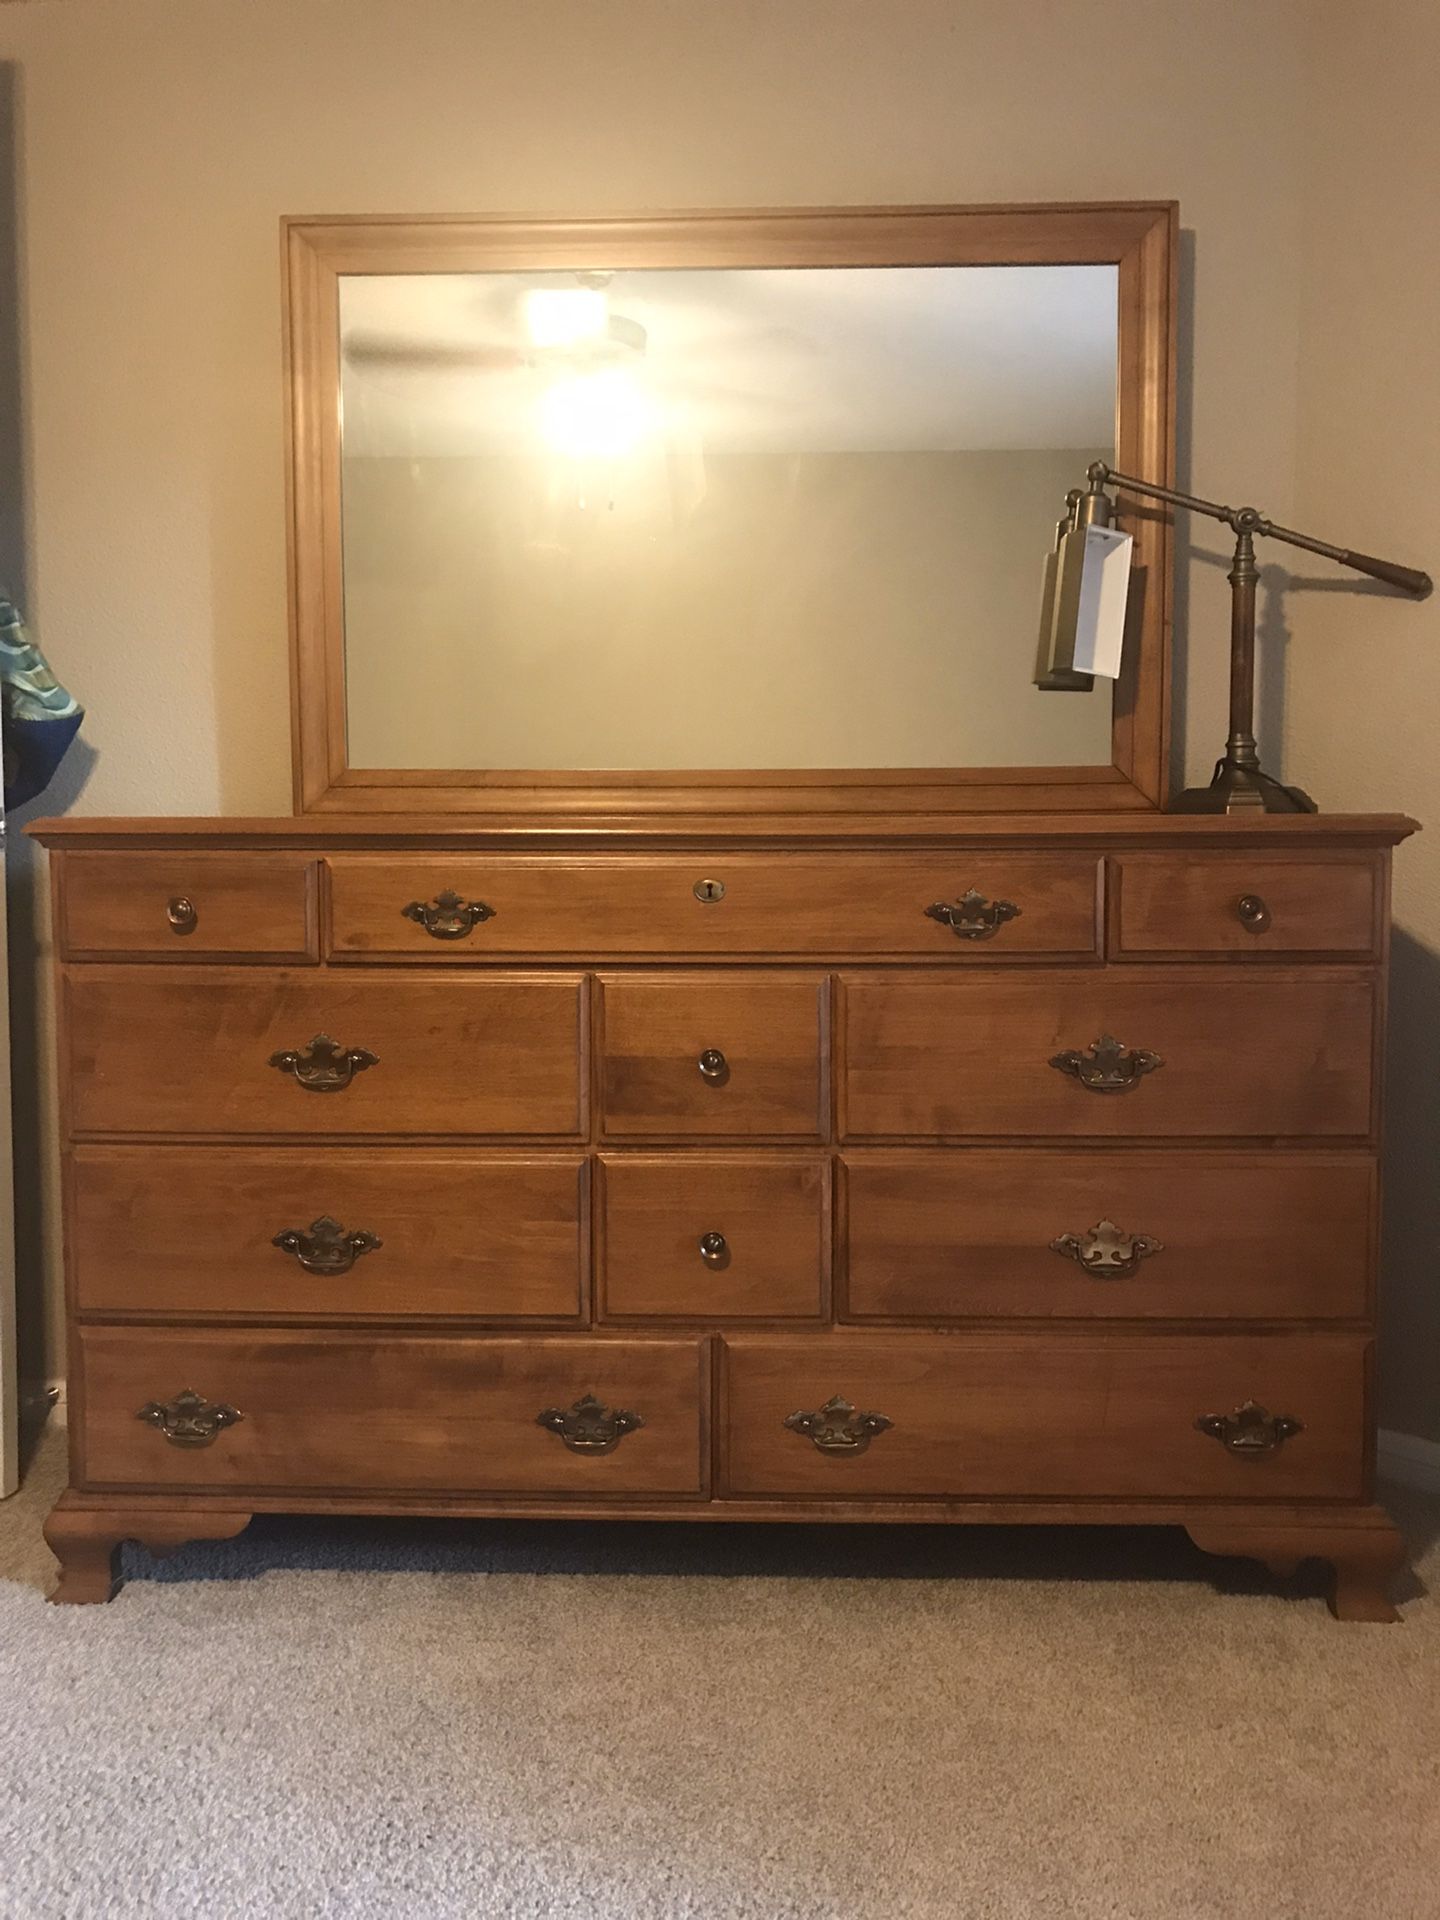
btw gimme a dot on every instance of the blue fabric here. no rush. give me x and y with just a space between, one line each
38 718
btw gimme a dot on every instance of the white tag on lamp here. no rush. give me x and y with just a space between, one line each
1104 589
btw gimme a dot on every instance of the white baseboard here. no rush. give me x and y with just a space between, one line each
1413 1462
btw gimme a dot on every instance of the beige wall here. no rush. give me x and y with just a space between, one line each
1362 670
162 140
810 610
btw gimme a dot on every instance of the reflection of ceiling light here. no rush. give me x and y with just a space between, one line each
565 316
597 416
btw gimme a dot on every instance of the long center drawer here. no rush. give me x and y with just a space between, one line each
389 906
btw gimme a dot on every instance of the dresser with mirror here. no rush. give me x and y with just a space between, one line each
716 1039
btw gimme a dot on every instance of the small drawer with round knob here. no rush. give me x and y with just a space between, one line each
713 1236
714 1056
231 906
1243 905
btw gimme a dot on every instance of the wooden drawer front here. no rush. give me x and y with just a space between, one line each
660 1215
1258 1054
770 1032
192 1230
189 906
166 1052
1192 904
971 1234
751 906
350 1412
1047 1415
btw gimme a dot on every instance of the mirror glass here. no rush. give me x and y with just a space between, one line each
715 518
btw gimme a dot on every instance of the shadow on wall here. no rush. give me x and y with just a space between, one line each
1410 1249
24 876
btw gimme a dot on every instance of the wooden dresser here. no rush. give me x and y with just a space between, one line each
1021 1173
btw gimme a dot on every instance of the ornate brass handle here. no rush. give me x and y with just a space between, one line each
973 917
713 1066
189 1420
1252 912
180 912
324 1066
1107 1250
1107 1066
837 1427
589 1426
1250 1431
327 1248
447 916
714 1249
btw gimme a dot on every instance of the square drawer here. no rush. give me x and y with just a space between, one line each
1047 1415
188 906
1251 904
166 1051
729 905
1258 1054
188 1231
713 1056
971 1234
685 1236
393 1412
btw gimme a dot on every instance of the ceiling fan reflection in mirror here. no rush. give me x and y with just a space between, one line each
596 383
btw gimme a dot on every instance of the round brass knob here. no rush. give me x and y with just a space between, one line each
1252 913
181 914
713 1065
714 1249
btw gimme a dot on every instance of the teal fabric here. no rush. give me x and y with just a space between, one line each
38 718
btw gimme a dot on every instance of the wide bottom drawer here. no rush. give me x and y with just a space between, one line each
351 1413
1046 1415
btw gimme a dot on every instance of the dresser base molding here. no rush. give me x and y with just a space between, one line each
1364 1548
85 1531
86 1538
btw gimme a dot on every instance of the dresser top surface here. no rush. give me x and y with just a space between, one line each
1179 832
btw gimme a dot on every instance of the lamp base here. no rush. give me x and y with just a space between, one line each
1239 789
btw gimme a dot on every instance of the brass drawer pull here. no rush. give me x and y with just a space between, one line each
1252 913
181 914
713 1066
327 1248
1249 1431
837 1427
189 1420
324 1066
973 917
447 916
589 1426
714 1249
1107 1066
1107 1250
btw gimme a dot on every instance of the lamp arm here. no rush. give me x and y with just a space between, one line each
1248 520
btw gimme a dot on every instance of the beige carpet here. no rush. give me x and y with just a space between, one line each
629 1723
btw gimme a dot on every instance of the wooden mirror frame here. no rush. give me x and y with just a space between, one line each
1139 238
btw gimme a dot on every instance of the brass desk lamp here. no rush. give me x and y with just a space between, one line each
1239 783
